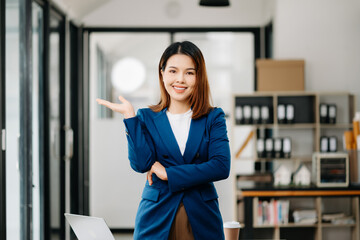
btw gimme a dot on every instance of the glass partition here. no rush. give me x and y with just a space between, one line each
55 162
15 187
37 114
120 64
13 193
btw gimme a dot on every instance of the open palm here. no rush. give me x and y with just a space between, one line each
125 107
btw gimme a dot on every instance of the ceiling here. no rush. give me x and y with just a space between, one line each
165 12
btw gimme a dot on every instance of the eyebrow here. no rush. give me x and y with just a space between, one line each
186 68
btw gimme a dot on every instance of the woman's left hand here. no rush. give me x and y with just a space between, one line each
159 171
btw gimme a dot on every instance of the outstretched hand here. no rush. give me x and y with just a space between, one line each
125 107
159 171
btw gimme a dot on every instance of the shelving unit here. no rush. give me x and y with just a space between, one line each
305 132
317 196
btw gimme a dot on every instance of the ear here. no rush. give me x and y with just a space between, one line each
162 74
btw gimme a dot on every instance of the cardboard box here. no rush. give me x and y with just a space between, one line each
280 75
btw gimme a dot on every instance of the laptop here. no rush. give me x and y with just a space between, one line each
89 228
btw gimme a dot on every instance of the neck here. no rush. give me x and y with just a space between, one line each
178 108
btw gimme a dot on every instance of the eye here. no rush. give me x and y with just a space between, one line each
190 73
172 71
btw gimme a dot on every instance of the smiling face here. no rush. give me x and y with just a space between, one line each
179 78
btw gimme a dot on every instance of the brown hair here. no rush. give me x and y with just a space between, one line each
200 98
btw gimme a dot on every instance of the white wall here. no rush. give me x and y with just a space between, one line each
326 33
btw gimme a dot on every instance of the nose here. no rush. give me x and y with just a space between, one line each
180 78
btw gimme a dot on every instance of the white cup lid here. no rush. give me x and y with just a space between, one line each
232 224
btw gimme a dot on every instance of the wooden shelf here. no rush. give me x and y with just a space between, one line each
330 225
295 158
289 225
335 126
299 193
297 126
284 126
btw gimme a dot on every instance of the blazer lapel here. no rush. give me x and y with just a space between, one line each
166 134
196 134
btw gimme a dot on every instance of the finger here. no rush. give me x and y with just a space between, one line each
103 102
122 99
98 100
149 177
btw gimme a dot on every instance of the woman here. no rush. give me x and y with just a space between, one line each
183 146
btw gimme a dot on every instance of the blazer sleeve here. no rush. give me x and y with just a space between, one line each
217 167
141 149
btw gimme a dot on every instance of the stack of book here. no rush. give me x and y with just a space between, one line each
305 216
273 212
337 218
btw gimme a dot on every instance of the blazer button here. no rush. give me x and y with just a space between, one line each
197 155
165 156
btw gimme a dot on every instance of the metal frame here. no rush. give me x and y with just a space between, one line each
85 119
45 206
25 149
2 123
78 183
50 10
62 122
269 40
41 105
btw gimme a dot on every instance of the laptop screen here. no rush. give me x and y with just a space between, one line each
89 228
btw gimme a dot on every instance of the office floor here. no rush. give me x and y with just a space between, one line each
123 236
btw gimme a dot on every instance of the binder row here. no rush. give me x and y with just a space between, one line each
247 114
285 113
261 114
328 113
274 147
273 212
328 144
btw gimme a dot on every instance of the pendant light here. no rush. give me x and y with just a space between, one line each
214 3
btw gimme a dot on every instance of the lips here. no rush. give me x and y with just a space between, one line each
179 89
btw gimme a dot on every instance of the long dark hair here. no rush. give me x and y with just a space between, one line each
200 98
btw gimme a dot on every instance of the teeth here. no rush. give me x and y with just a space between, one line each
179 88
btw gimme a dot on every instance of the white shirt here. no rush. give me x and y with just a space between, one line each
180 125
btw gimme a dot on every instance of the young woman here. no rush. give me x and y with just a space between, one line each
183 146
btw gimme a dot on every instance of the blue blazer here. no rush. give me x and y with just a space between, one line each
190 176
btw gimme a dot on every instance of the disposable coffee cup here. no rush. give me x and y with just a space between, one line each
231 230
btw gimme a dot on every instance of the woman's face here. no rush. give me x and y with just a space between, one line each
179 77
